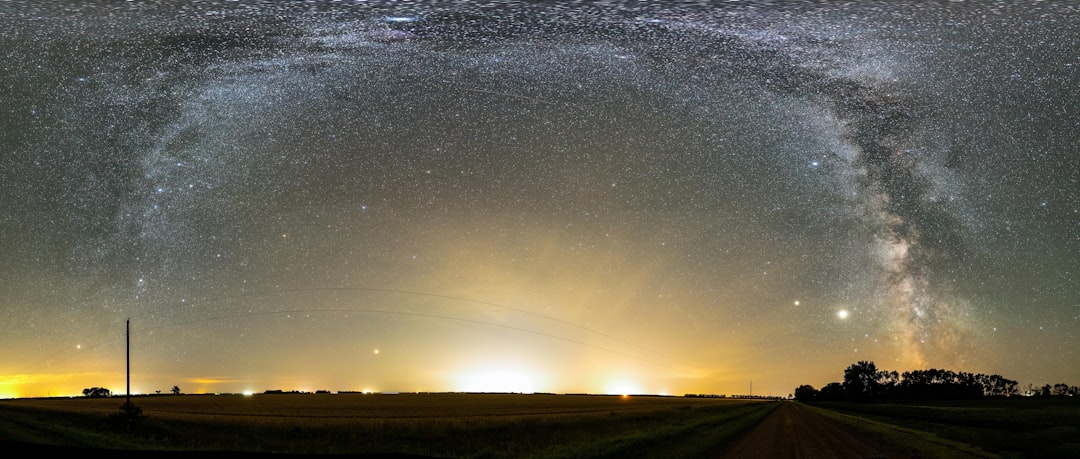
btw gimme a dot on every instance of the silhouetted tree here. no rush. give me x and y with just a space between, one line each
806 393
862 381
97 392
1061 390
997 386
832 392
176 390
948 385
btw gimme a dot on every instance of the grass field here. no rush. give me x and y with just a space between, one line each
444 425
1010 428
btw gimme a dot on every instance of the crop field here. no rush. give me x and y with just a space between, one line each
443 425
1017 427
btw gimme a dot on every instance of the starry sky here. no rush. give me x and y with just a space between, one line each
615 197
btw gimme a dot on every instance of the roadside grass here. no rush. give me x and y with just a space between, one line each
914 442
33 426
1009 428
451 425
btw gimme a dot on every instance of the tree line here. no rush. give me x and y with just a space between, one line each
863 382
97 392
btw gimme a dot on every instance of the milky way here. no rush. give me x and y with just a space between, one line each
524 196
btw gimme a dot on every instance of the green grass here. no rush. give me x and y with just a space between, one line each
448 425
913 442
1010 428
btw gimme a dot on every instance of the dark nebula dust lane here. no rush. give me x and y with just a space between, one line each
526 196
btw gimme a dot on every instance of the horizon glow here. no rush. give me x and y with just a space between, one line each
658 199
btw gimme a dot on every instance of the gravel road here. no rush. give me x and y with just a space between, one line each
791 431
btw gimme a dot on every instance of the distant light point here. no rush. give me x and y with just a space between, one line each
796 302
376 352
842 314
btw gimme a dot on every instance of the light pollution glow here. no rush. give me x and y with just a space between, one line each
658 199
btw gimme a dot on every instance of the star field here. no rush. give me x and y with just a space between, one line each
519 196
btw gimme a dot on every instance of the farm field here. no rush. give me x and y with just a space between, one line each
439 425
1017 427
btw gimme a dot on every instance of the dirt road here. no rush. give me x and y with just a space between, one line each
794 432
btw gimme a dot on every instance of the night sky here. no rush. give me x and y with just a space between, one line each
606 198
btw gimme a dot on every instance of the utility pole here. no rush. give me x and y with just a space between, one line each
128 339
751 388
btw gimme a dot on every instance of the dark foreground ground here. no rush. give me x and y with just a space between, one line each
541 426
21 449
414 425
